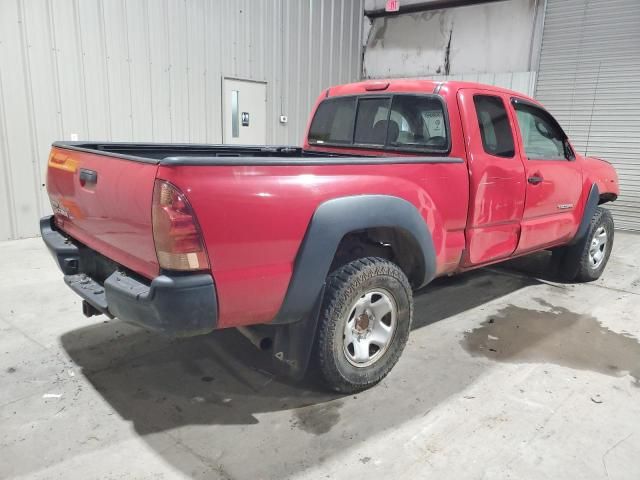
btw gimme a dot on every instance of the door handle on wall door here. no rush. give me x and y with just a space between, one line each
535 179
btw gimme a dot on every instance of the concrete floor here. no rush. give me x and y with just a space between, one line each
507 375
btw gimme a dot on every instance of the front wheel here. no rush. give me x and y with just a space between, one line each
597 249
585 261
364 323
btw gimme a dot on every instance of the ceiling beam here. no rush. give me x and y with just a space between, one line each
423 7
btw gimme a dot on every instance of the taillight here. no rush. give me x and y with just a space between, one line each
176 233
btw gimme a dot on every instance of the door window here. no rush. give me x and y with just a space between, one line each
497 138
542 138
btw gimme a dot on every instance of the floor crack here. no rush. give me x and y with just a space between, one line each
610 449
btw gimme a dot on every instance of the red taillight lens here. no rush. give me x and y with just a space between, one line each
176 233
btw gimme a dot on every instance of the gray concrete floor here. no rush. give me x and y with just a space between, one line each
507 374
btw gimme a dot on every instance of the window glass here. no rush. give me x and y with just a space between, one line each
417 122
333 121
542 138
371 121
399 122
497 138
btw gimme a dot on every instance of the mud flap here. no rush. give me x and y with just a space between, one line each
569 264
293 344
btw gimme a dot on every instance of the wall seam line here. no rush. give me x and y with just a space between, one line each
28 88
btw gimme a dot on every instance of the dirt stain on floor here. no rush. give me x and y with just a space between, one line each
318 419
555 335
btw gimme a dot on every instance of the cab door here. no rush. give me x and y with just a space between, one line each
496 177
554 179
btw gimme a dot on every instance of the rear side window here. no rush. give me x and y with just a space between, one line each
333 121
497 138
393 122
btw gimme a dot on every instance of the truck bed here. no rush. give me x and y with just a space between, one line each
253 205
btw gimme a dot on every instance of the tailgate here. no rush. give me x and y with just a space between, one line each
105 202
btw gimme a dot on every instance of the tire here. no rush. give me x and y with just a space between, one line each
585 261
364 324
588 270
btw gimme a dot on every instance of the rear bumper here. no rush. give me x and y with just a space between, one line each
177 305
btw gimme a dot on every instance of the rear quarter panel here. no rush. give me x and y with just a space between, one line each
254 219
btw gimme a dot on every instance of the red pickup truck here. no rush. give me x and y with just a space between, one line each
314 252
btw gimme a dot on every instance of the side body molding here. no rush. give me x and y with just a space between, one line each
330 223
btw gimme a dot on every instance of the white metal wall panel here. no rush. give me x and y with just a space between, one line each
523 82
464 39
589 78
151 70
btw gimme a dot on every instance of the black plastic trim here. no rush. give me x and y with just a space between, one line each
174 304
307 161
528 103
179 306
330 223
102 148
64 251
589 210
315 158
89 290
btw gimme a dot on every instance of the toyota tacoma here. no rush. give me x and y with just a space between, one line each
314 251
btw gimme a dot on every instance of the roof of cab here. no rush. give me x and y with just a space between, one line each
413 85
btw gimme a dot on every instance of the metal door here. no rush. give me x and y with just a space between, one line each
244 112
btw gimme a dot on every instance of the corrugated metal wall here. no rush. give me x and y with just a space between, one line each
151 70
589 78
523 82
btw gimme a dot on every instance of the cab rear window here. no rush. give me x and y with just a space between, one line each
392 122
333 121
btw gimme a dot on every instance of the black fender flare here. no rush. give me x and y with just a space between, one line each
570 254
589 210
332 220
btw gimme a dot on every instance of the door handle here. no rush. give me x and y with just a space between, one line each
88 177
535 179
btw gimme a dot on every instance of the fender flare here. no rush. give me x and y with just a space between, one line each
296 322
573 250
333 220
589 210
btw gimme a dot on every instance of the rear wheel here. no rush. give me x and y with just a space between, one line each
364 323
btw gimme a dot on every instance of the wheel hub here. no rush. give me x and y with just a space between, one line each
362 323
369 328
598 247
